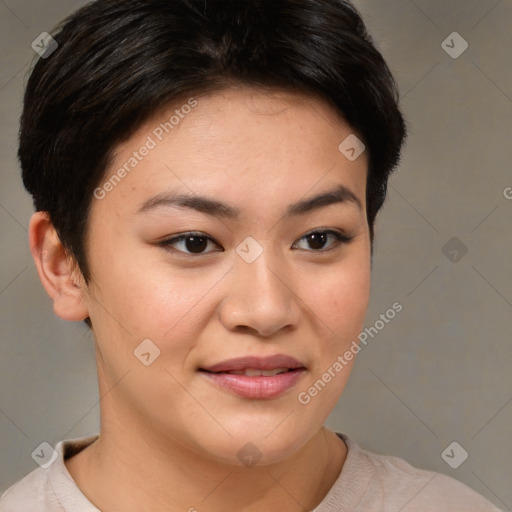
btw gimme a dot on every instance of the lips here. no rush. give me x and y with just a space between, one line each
254 372
247 365
256 377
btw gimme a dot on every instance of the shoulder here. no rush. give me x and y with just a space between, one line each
393 484
50 488
31 493
421 490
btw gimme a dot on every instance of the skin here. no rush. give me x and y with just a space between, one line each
169 437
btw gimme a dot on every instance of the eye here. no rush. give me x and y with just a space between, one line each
195 243
318 238
189 243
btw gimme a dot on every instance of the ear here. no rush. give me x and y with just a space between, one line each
56 269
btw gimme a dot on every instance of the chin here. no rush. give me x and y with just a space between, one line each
250 446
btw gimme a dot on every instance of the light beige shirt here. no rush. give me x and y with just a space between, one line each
368 482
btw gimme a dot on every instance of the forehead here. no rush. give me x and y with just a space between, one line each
240 143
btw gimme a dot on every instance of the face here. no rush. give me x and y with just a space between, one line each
256 269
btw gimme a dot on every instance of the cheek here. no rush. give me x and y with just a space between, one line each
339 299
339 305
159 302
349 299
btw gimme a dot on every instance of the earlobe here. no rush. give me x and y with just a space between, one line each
56 271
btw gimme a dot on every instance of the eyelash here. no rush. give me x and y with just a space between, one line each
340 239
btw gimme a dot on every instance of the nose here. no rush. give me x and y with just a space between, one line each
260 298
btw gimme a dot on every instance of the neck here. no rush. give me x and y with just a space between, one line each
124 472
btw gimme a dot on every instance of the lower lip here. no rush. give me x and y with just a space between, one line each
256 387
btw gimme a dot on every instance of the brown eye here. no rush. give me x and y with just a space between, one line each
189 243
318 239
197 243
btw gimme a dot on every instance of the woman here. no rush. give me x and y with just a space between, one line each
207 176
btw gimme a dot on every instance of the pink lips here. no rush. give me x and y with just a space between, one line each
256 386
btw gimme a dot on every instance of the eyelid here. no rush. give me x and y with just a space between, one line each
167 242
341 239
340 235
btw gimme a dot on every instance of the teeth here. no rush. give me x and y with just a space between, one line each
271 373
252 372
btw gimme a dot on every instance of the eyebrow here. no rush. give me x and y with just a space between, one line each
210 206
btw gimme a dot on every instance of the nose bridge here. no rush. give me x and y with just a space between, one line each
256 267
259 295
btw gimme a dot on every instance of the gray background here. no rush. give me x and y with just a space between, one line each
440 370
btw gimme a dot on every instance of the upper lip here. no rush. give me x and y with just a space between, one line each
258 363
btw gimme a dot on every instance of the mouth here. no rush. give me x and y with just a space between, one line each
255 372
279 363
256 378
